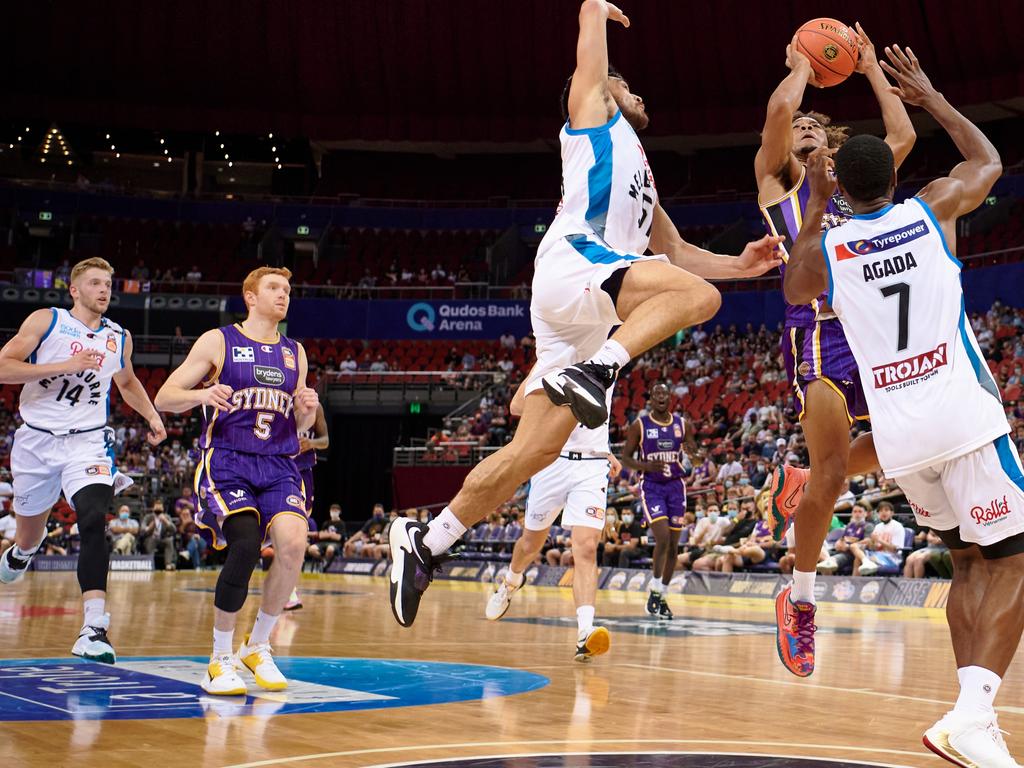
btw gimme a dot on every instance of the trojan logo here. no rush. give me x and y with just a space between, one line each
912 368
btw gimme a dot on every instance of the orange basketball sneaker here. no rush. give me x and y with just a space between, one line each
787 486
794 634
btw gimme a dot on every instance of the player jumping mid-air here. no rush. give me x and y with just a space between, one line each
940 428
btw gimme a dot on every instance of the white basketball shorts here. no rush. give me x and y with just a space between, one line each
981 492
572 315
576 487
43 464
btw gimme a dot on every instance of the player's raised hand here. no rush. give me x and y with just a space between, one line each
615 14
821 172
867 59
157 432
218 396
912 84
760 255
796 60
86 360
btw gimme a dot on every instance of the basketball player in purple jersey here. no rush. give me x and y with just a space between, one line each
659 436
818 360
310 441
255 402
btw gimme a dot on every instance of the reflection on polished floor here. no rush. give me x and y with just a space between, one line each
456 690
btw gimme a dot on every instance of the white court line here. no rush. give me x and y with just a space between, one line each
750 679
514 755
37 703
474 745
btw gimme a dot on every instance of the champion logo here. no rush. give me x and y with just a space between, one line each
912 368
995 511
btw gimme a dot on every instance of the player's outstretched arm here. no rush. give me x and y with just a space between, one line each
589 100
179 393
757 258
134 394
969 183
806 274
14 369
899 131
776 152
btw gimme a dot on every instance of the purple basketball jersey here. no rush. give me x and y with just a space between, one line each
663 442
784 217
263 377
307 459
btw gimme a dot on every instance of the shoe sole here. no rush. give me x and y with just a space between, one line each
946 755
598 643
233 692
102 658
500 615
293 607
586 412
779 621
398 530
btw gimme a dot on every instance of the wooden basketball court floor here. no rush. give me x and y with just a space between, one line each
710 686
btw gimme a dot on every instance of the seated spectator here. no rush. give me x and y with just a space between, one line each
788 561
194 275
882 548
730 470
872 492
855 531
56 538
934 554
8 527
611 541
740 524
381 549
631 535
561 545
708 532
195 545
158 531
368 535
330 537
754 548
123 531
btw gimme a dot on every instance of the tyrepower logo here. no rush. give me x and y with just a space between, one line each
902 373
855 248
993 513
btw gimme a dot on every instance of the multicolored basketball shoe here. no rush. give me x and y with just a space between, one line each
787 485
794 634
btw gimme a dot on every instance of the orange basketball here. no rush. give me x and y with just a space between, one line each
831 47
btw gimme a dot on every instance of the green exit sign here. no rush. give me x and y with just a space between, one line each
303 229
45 216
415 407
540 229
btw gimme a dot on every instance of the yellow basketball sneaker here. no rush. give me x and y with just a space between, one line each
259 660
221 678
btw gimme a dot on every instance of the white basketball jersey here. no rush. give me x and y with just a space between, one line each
895 286
607 186
76 402
591 441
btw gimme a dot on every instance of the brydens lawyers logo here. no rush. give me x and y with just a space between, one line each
993 513
912 368
855 248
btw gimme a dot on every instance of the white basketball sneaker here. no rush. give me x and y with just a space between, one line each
221 678
93 644
501 598
970 741
14 567
259 660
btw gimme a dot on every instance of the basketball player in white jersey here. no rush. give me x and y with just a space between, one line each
593 272
939 425
66 360
575 484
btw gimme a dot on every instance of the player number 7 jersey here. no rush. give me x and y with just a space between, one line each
895 286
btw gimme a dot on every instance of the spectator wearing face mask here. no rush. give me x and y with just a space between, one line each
760 475
123 531
612 542
369 534
630 534
739 525
707 532
871 490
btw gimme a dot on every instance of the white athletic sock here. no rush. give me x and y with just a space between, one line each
656 585
223 641
513 578
443 531
978 689
803 587
611 353
261 628
585 618
94 610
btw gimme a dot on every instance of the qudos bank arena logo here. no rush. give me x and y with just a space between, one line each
421 317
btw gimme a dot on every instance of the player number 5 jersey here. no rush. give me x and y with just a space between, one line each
77 402
895 286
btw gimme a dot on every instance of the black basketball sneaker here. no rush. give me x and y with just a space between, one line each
413 570
653 603
583 387
664 612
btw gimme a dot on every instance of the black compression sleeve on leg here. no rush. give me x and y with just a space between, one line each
91 505
242 532
1014 545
